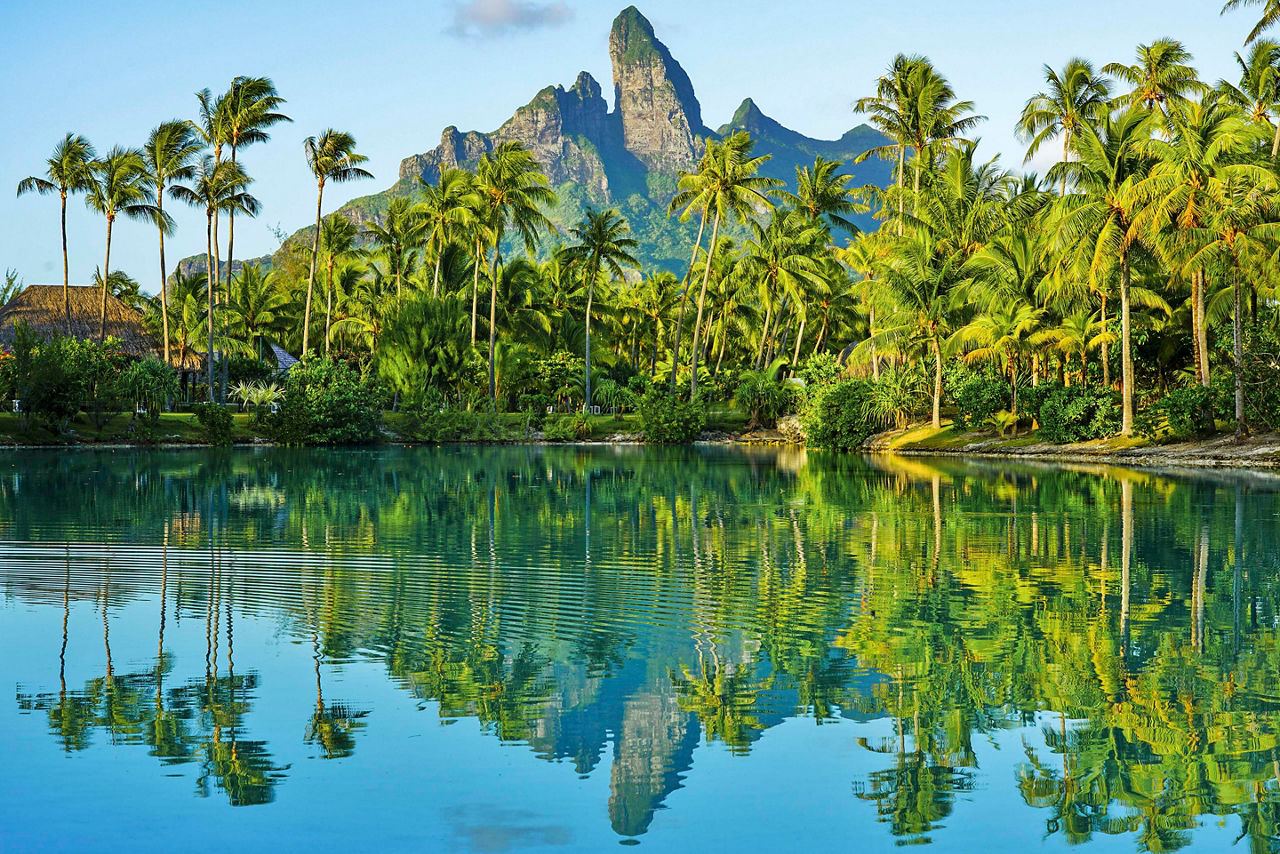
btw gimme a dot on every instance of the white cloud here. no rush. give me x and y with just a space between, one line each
480 18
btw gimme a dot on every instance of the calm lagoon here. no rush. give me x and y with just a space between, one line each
554 648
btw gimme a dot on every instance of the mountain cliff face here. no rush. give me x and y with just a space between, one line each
630 157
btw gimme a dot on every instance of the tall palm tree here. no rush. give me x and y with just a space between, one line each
601 245
727 184
215 186
397 237
512 190
443 208
1270 15
170 155
257 306
332 158
1096 220
780 260
1075 96
1258 93
338 242
212 126
824 195
1162 78
120 185
890 111
68 171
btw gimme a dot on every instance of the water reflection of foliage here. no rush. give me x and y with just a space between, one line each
955 600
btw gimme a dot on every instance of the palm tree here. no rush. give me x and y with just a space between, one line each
890 112
1241 227
1270 15
213 129
443 207
1076 96
331 157
1096 221
397 237
120 185
169 154
215 186
779 259
511 189
601 244
1258 93
824 195
257 306
1162 78
68 171
1002 334
727 184
338 240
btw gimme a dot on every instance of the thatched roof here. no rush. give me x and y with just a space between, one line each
41 308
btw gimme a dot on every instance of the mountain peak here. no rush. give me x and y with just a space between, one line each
660 115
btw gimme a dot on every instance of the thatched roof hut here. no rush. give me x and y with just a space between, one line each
41 308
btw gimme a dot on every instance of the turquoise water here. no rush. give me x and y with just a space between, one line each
525 648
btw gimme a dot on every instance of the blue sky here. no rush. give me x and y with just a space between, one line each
396 73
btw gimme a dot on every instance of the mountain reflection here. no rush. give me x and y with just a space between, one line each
627 607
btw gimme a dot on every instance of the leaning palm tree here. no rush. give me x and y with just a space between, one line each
1076 96
1268 19
1162 77
68 171
512 190
443 208
727 184
215 186
120 185
170 155
601 244
1095 222
331 157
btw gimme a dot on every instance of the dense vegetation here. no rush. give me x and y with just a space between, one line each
1129 289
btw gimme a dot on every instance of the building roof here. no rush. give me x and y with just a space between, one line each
41 308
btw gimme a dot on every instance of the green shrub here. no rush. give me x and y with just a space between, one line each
216 421
763 397
978 396
459 425
249 370
567 428
149 384
820 369
1186 412
1076 413
900 394
836 416
325 402
667 419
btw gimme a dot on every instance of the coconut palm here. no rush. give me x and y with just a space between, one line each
1075 96
215 186
780 259
727 184
1258 92
338 242
331 157
67 171
212 127
170 155
444 208
119 185
257 307
1270 15
824 195
511 189
890 111
397 237
1095 222
1162 78
601 245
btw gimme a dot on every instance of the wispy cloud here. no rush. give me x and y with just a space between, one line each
482 18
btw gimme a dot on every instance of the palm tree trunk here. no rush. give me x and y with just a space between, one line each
66 286
1195 323
311 276
1237 350
435 278
795 357
106 274
684 298
764 335
493 319
902 169
937 383
871 331
1106 348
702 298
475 292
1203 342
591 290
231 244
328 303
1275 143
208 289
164 284
1126 348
